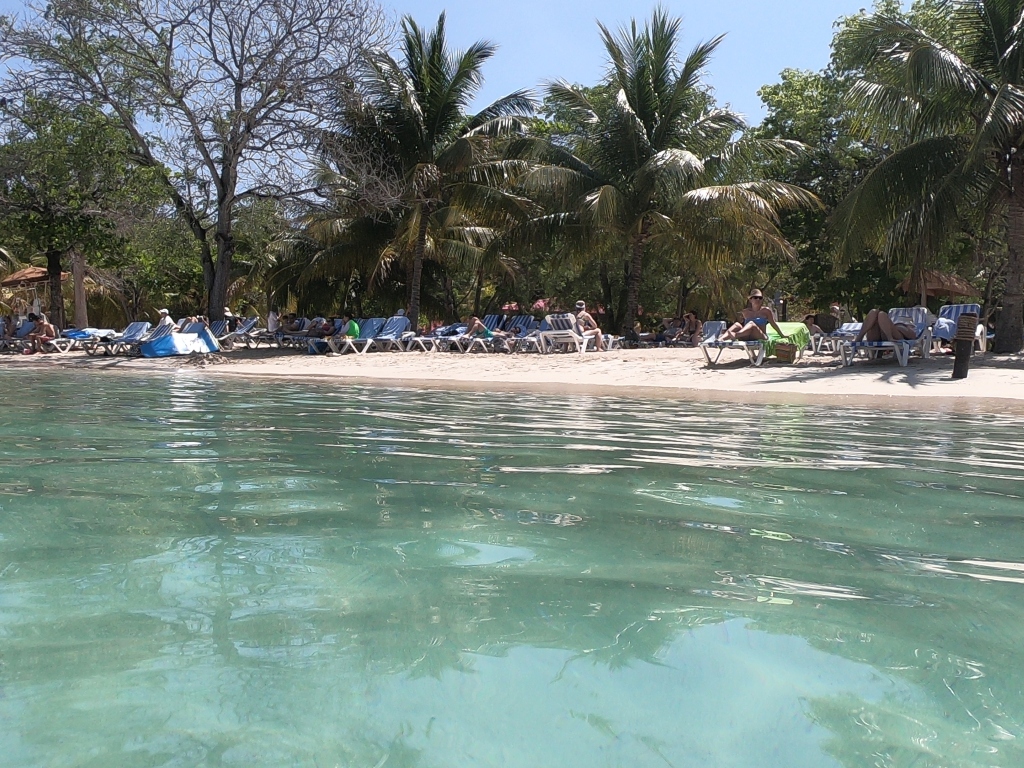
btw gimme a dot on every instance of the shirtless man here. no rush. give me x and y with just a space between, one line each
42 333
588 326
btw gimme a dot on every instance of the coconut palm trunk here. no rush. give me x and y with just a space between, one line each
1010 329
417 268
636 266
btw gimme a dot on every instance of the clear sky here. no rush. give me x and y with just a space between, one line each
547 39
541 40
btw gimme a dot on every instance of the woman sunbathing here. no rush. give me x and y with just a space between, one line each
752 325
878 326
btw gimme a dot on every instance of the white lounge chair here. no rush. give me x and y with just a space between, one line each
563 332
754 350
901 349
390 337
367 331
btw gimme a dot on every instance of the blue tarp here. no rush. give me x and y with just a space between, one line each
181 344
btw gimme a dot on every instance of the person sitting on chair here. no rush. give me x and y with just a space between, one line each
42 333
588 326
813 327
878 326
754 321
691 330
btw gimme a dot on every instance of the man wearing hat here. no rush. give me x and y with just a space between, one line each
753 322
165 318
588 326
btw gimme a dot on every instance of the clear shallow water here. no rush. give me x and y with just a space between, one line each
209 573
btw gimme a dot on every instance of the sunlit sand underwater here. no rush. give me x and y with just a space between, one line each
198 572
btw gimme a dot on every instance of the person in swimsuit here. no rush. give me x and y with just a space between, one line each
878 326
588 326
754 321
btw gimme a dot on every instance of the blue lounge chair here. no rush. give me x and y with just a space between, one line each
107 345
754 350
390 336
367 331
945 327
131 346
918 316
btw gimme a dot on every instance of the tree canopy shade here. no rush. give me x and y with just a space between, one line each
655 168
220 96
954 108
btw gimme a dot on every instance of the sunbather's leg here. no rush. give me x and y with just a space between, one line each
731 331
893 331
751 332
871 330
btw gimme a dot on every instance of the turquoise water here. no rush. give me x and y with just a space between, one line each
209 573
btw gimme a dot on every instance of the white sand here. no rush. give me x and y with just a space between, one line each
994 382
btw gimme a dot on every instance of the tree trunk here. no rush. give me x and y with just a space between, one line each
636 266
479 291
417 268
56 313
78 274
449 299
1010 329
606 294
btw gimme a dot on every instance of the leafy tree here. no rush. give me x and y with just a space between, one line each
233 88
67 183
413 124
656 171
953 108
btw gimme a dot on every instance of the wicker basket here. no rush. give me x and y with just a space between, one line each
785 352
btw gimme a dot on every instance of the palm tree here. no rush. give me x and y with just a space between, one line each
656 168
957 118
416 111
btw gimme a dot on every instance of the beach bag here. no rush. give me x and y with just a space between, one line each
785 352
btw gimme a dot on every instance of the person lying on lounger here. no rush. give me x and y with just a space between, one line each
754 321
878 326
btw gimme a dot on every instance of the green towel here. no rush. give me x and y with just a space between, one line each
797 332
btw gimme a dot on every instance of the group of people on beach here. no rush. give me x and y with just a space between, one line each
39 331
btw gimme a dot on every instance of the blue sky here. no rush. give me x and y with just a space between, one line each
546 39
541 40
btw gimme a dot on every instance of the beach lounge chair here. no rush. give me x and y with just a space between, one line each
131 346
830 342
390 337
849 350
19 342
944 330
563 332
73 338
237 336
438 340
755 350
107 345
367 331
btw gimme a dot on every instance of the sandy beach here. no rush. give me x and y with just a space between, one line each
994 382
